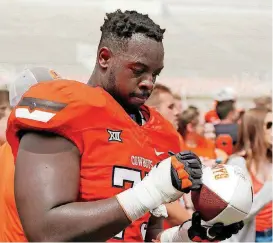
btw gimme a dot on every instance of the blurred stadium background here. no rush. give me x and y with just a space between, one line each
209 44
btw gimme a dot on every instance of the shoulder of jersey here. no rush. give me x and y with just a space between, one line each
66 92
55 103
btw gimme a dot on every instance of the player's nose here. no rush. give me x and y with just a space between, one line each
146 84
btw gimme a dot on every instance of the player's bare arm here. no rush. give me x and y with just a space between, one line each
46 191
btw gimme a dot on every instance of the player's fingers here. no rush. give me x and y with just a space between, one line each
188 178
186 152
188 155
196 185
235 231
185 172
193 163
228 235
239 225
234 228
216 229
194 173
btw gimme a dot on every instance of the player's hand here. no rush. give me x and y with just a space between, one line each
166 182
186 171
218 232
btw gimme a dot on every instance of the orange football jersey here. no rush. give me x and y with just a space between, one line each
116 152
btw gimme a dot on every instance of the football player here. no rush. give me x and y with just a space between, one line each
82 150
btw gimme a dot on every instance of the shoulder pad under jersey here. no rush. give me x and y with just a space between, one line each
59 107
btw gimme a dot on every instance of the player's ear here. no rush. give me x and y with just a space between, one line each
104 56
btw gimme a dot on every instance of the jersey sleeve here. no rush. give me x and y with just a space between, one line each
60 107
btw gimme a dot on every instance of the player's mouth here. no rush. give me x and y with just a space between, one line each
140 99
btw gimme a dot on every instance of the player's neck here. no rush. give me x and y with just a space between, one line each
96 81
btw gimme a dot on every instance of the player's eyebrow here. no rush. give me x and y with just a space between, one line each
143 65
139 64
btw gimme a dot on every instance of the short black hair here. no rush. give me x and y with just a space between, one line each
223 108
122 25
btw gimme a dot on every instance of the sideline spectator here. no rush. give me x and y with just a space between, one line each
264 102
228 115
225 94
254 154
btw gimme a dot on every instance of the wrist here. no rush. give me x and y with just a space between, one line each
139 200
131 205
154 190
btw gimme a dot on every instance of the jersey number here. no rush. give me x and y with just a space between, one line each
121 175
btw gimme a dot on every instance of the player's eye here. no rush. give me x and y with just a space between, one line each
137 71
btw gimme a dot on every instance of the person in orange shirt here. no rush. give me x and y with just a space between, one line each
10 226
